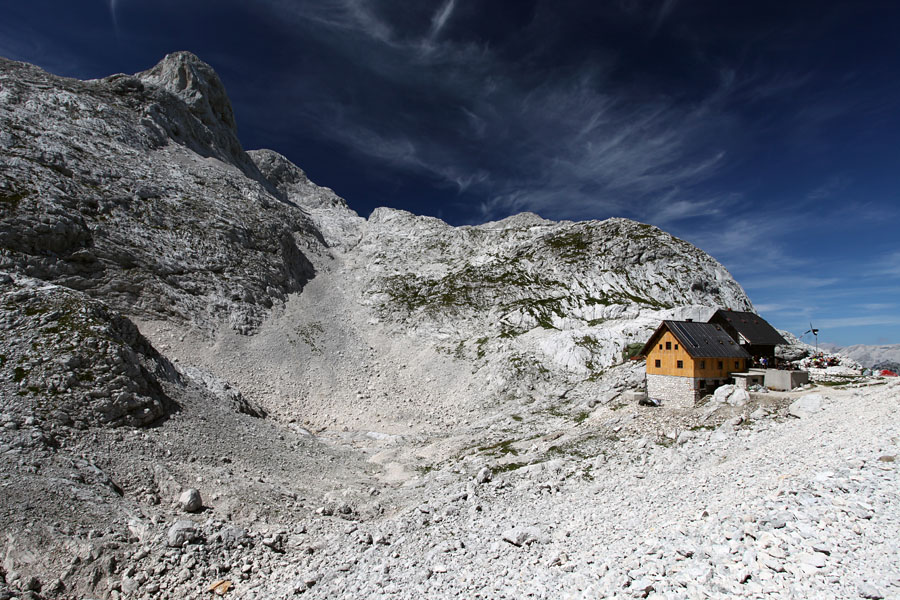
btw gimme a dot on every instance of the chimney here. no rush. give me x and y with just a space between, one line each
689 320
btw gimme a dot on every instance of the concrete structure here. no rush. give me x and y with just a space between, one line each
785 381
686 360
752 377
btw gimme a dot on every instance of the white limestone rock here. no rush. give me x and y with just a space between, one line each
522 536
163 214
181 533
806 406
731 395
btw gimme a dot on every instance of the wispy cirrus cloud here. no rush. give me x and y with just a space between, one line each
829 188
889 265
440 19
566 143
793 281
862 321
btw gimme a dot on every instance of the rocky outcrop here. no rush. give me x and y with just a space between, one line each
536 300
70 360
135 190
292 182
192 107
340 226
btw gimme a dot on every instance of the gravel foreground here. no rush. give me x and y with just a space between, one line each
632 503
772 506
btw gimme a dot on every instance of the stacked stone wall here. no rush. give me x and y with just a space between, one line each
671 390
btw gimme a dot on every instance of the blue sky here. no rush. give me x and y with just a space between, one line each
766 133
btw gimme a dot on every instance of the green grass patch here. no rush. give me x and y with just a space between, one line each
309 333
425 469
11 199
587 473
506 468
631 350
702 427
556 411
576 448
501 448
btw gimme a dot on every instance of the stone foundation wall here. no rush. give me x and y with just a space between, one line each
671 390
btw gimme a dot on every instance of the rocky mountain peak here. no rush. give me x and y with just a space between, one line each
292 182
197 84
520 220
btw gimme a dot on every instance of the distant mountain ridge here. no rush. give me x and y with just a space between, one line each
883 356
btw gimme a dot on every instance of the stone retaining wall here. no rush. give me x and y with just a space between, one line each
673 391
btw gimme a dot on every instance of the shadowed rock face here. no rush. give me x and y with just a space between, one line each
136 190
76 362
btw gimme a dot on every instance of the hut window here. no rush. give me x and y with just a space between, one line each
680 364
658 363
676 346
737 364
721 366
668 345
702 364
660 346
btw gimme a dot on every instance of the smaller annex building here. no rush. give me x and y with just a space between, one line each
687 360
751 331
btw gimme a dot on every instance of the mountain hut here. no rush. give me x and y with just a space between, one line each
687 360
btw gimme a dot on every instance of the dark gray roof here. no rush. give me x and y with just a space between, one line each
701 340
754 328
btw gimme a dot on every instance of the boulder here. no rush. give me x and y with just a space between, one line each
190 500
484 475
731 395
181 533
806 406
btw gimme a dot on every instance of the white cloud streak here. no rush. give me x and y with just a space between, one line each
440 18
572 144
889 265
864 321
